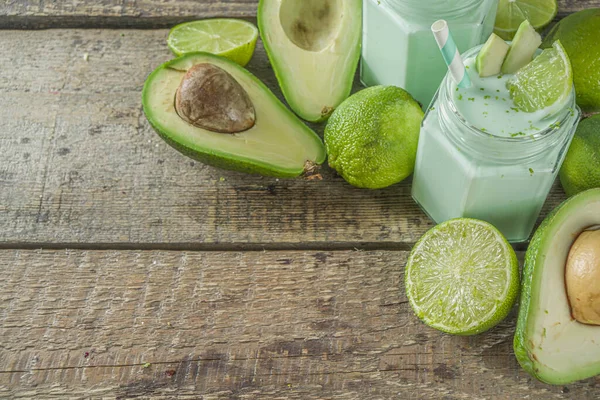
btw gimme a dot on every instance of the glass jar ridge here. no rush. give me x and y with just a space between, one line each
434 9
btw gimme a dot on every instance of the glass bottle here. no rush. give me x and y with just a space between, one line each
398 47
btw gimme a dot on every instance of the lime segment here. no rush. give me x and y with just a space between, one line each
511 13
231 38
544 82
462 277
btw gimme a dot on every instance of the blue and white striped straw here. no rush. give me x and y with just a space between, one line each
446 43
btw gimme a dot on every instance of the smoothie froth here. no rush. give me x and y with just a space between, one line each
487 106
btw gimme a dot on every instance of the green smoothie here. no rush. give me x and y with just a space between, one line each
479 156
487 105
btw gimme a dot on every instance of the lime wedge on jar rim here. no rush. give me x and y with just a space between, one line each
230 38
545 81
462 277
511 13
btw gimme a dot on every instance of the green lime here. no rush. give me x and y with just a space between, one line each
545 81
372 137
462 277
579 33
581 169
230 38
512 12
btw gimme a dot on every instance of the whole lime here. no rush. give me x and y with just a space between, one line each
371 138
579 33
581 169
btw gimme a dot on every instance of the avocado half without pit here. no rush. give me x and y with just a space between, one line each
314 47
217 112
557 338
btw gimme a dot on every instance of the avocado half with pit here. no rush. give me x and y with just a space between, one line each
314 47
557 338
217 112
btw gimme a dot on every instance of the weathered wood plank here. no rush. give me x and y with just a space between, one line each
228 325
38 14
27 14
80 164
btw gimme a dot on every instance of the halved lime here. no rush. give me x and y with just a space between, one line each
545 81
231 38
512 12
462 277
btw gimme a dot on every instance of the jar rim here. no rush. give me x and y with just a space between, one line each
542 134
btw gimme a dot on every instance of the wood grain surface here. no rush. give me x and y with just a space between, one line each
172 307
81 166
38 14
232 325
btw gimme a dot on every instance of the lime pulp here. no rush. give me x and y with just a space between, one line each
462 277
511 13
544 82
230 38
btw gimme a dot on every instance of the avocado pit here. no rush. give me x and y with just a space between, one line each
209 97
582 278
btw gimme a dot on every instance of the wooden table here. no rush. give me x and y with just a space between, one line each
129 270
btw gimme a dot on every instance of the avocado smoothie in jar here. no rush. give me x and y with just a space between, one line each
480 156
397 46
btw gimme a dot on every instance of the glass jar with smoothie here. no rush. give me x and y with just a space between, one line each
481 157
398 48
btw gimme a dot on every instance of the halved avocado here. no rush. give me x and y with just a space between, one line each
274 142
314 47
549 343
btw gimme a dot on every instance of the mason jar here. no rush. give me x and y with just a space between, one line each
399 49
464 171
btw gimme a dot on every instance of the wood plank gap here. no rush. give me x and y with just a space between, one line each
391 369
208 247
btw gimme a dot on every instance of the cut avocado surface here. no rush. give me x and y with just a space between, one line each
314 47
276 144
491 56
549 343
522 49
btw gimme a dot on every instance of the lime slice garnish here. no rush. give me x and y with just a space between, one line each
462 277
231 38
512 12
545 81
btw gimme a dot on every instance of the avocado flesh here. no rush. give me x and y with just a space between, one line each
491 56
314 47
522 48
278 144
549 343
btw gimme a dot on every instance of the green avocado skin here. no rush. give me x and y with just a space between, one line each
226 163
214 157
534 258
519 343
